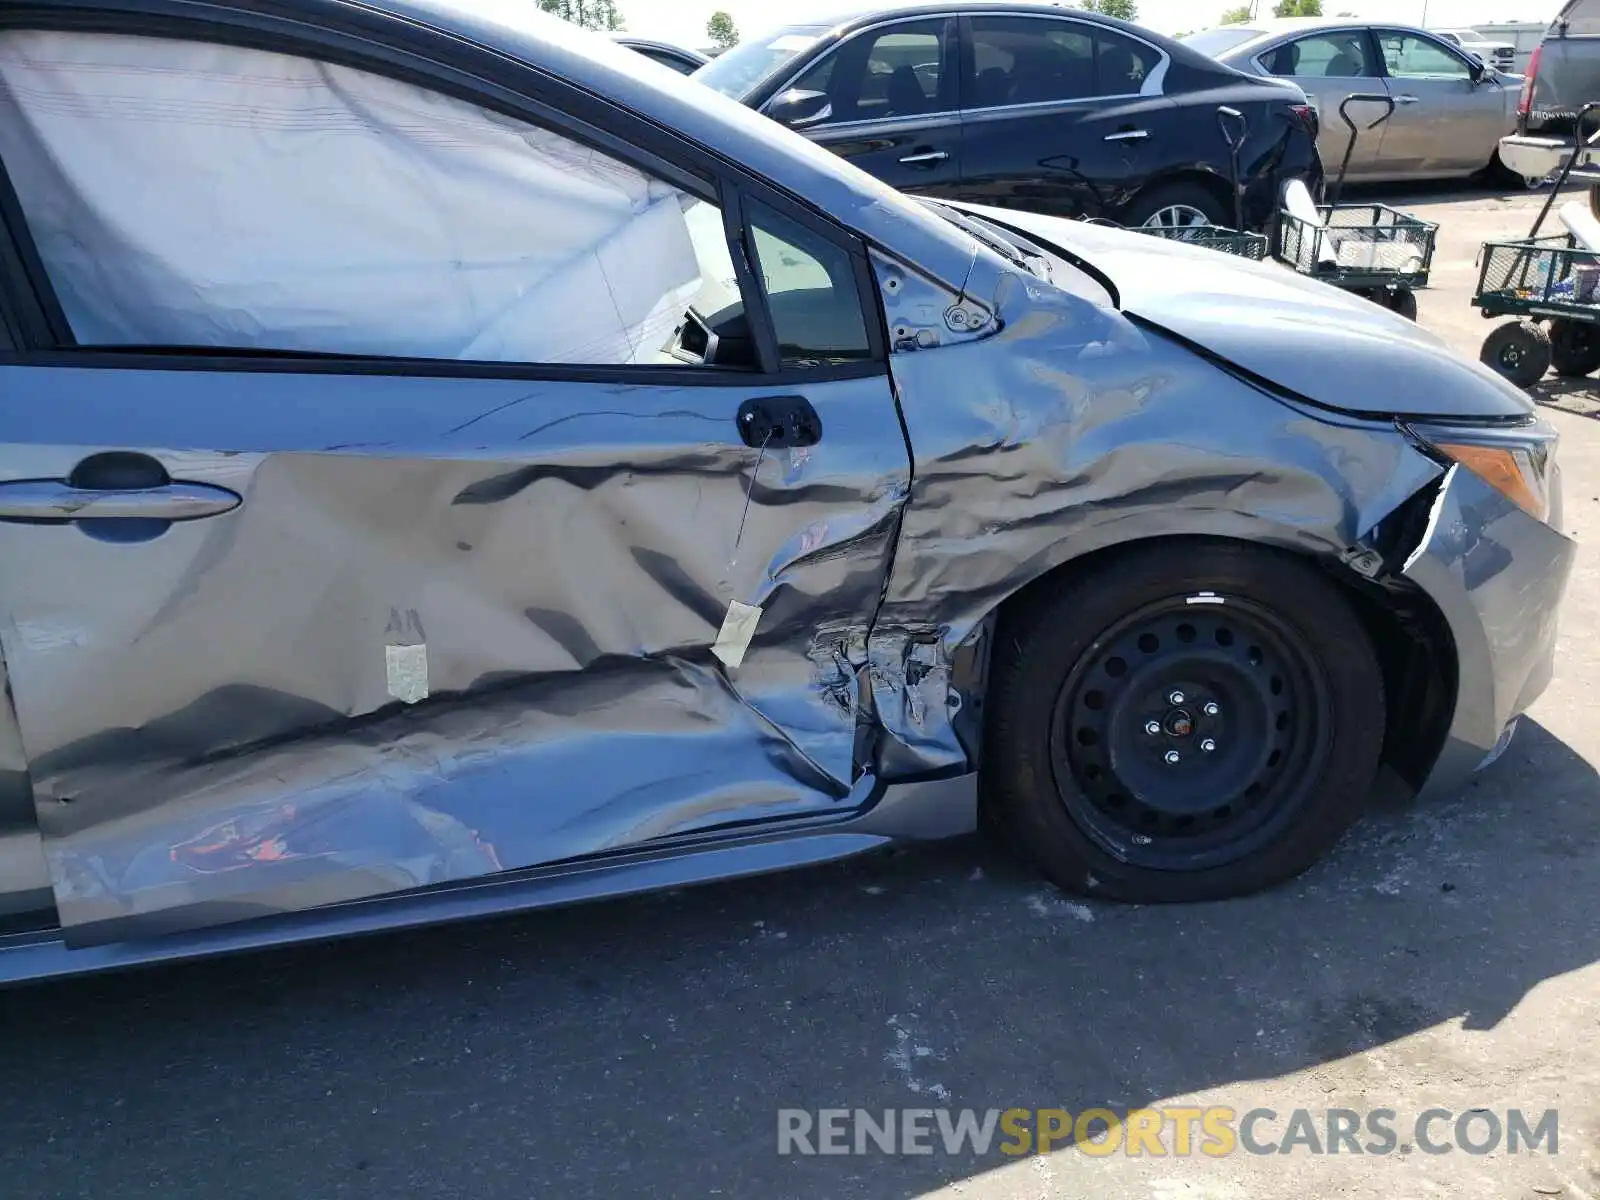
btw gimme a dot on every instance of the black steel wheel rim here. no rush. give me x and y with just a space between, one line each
1511 355
1191 733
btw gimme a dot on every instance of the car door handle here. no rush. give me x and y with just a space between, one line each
776 422
1407 100
925 158
1128 135
55 500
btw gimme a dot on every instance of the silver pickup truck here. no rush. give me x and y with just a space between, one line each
1563 75
1502 56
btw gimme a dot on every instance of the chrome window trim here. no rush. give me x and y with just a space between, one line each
1154 83
870 125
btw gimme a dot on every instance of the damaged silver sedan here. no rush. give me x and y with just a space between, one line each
449 465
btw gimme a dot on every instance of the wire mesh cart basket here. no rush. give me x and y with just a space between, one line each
1213 237
1237 240
1553 279
1371 249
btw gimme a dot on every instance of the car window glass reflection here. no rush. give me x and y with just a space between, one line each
1342 55
894 72
1029 60
811 291
1418 58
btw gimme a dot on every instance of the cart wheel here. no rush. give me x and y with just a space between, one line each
1519 350
1402 301
1574 347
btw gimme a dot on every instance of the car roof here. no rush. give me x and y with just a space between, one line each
1276 25
848 15
1279 27
842 21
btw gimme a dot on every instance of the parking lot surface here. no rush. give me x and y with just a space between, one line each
1444 956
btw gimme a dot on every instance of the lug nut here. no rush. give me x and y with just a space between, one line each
1207 745
1152 728
1175 698
1211 708
1172 756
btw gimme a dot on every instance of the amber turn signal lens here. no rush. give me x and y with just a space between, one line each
1510 472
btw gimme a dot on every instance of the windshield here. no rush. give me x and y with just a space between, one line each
736 72
1219 41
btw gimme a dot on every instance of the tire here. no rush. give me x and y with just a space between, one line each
1518 350
1073 771
1403 302
1574 347
1594 200
1498 175
1172 196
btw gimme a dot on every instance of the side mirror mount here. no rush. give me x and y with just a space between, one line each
799 107
1479 71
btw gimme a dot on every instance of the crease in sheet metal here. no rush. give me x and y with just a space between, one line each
582 703
1068 430
496 647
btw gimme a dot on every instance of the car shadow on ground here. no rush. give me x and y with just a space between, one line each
1446 191
1574 394
644 1047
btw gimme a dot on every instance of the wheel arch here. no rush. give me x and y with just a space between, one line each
1213 183
1410 635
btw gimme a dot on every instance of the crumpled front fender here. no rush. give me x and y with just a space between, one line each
1072 430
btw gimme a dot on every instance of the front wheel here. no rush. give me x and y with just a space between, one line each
1189 723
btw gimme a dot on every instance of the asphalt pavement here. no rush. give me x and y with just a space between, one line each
1443 956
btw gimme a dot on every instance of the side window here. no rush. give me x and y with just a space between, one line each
1409 57
897 71
1345 54
811 291
1032 60
1123 64
201 195
1028 60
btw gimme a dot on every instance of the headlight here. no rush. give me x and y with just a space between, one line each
1517 466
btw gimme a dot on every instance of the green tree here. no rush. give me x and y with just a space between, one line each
721 30
1123 10
1236 16
1297 8
591 14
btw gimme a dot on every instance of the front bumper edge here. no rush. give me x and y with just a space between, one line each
1497 574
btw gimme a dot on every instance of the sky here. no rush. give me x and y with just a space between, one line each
684 21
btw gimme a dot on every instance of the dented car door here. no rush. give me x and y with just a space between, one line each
326 584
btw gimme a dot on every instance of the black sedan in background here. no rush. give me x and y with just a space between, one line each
680 58
1030 106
